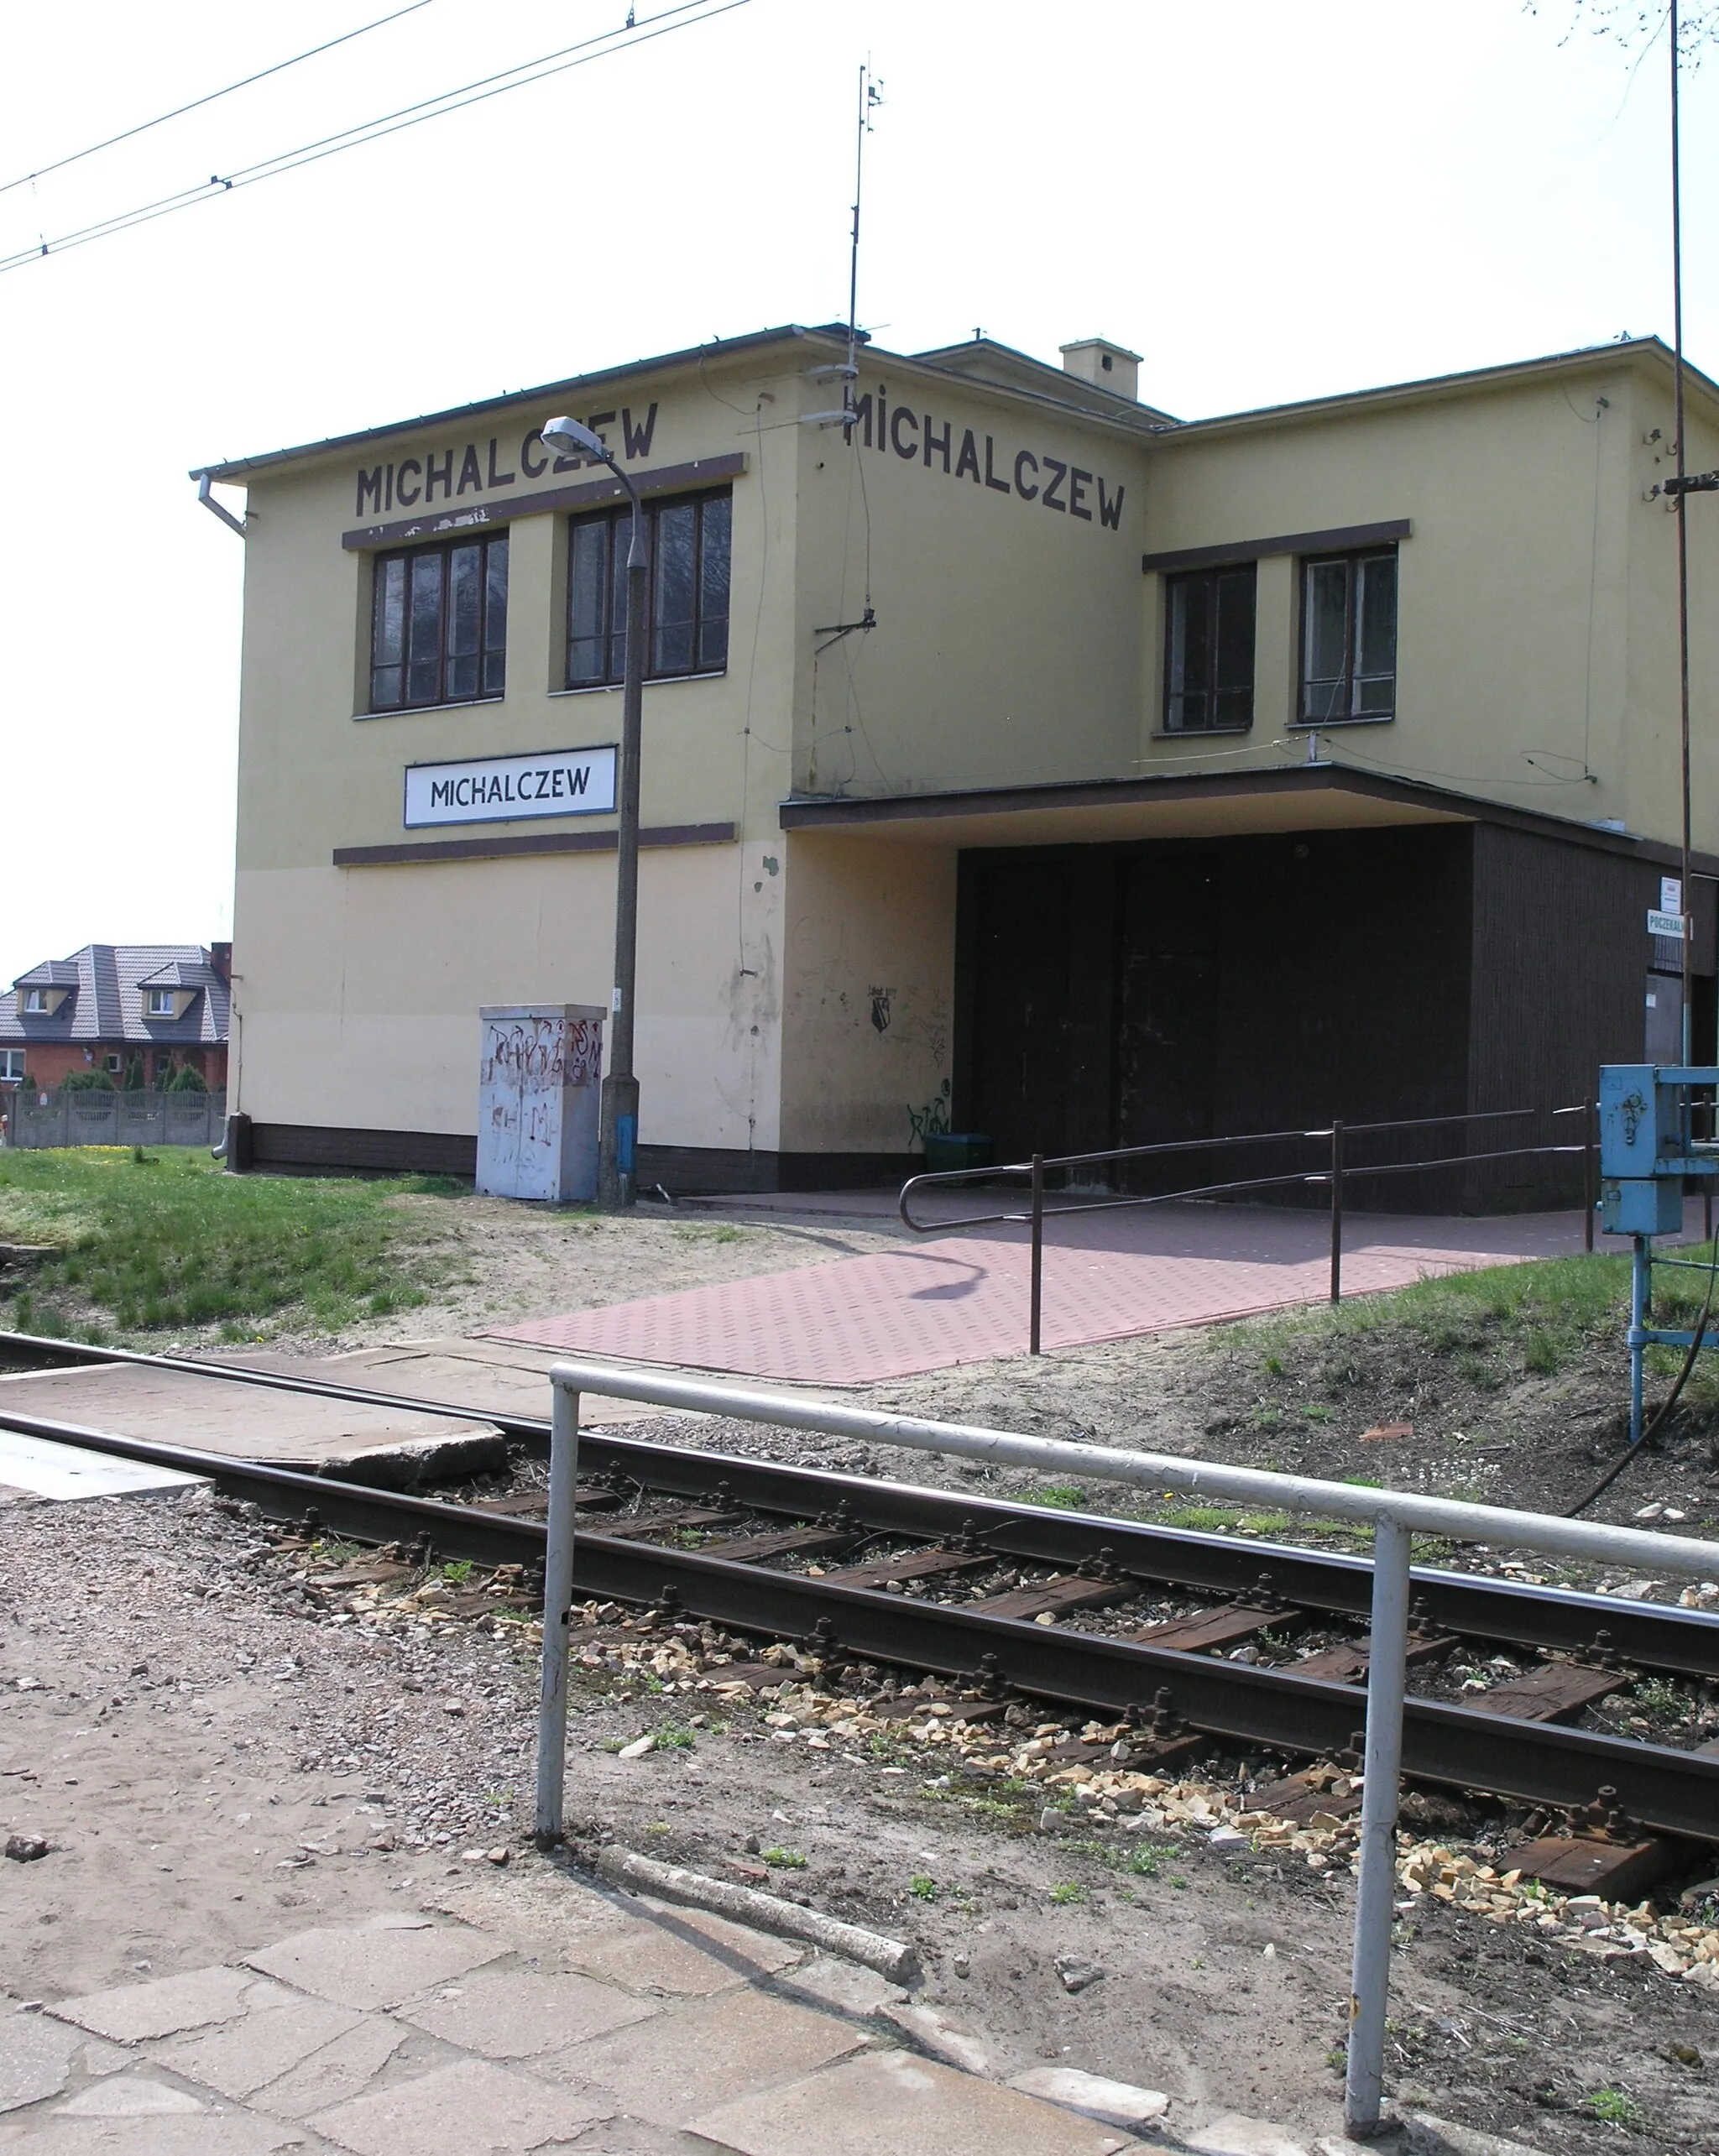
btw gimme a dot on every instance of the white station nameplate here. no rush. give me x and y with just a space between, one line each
496 789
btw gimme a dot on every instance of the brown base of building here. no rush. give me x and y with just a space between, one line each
316 1149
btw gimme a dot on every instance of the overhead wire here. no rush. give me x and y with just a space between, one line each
642 31
210 97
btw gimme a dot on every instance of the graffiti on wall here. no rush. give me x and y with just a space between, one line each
931 1121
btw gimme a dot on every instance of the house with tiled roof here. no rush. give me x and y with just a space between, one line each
166 1003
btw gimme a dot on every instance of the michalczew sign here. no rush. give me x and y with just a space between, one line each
495 789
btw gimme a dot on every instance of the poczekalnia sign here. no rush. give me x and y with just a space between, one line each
494 788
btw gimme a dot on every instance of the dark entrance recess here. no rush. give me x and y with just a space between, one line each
1133 994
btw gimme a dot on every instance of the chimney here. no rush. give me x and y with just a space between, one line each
220 958
1109 366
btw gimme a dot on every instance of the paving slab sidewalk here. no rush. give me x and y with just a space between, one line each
412 2031
963 1298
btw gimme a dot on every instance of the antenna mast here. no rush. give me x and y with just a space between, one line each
870 97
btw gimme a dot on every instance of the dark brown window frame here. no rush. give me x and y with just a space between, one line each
1351 558
1173 585
617 521
491 653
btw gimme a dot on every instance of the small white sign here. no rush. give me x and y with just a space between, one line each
1670 894
496 789
1665 924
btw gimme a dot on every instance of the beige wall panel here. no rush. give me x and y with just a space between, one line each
1509 570
315 774
360 988
1008 643
867 1034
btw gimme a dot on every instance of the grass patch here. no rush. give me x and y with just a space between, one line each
1070 1890
180 1244
1614 2107
1065 1496
784 1859
923 1887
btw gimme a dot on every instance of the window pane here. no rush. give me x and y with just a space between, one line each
587 577
384 687
388 639
1324 632
675 584
1376 634
464 597
495 611
423 629
1234 653
716 524
1190 653
620 544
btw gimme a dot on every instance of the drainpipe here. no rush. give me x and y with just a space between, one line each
216 508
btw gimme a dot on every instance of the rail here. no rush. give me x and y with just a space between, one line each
1394 1516
1336 1176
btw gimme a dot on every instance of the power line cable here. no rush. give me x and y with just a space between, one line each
244 83
635 31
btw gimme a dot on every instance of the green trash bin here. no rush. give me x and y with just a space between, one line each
946 1150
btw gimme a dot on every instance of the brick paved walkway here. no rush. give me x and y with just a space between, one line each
963 1298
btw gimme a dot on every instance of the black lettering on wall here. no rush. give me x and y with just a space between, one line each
433 479
388 495
530 470
401 495
968 461
1110 512
470 474
597 422
637 439
901 417
862 417
1079 482
498 478
883 414
937 441
1001 486
1026 494
370 489
1052 499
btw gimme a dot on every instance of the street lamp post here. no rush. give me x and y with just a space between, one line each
617 1114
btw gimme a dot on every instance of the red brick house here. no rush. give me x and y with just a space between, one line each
166 1002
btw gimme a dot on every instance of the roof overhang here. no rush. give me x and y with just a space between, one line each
1317 797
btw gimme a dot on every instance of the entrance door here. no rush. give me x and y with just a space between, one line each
1167 1000
1021 1005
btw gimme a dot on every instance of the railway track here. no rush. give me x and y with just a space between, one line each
1001 1600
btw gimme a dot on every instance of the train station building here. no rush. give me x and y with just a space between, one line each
1018 760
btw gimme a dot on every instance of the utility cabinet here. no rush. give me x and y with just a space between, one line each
539 1082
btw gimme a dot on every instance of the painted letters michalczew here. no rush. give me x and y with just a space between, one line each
497 789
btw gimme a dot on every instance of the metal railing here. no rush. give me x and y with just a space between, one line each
1339 1172
1394 1517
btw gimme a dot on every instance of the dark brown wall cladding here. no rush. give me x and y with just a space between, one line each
1138 995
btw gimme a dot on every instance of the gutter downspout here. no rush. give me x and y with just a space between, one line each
216 508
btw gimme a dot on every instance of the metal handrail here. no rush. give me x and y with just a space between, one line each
1335 1176
1394 1516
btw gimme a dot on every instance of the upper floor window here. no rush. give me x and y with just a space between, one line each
157 1003
35 998
689 618
1349 638
1209 683
438 630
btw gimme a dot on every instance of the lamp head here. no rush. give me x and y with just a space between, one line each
569 437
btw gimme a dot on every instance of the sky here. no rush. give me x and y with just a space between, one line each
1268 202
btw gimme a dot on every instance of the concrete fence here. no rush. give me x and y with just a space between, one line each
75 1118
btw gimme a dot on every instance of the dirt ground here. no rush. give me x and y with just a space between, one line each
506 1264
205 1742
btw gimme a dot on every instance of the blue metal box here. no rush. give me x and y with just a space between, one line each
1633 1208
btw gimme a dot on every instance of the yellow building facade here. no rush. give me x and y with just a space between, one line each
1017 759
